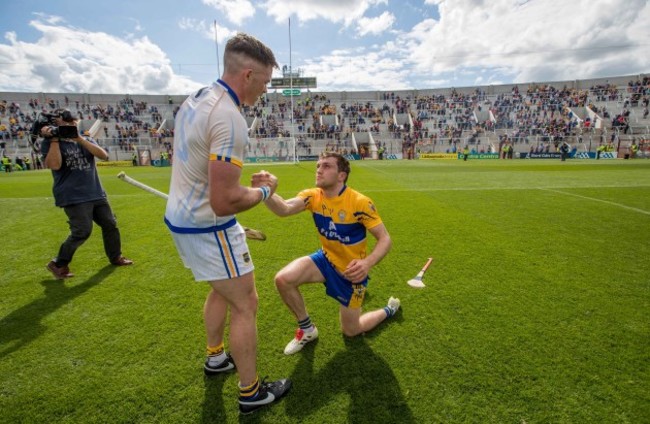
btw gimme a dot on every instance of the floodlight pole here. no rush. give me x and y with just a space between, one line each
216 42
291 131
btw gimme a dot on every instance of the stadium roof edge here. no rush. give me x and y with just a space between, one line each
619 81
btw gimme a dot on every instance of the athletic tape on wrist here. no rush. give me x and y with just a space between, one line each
266 192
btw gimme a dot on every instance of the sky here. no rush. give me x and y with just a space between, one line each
175 46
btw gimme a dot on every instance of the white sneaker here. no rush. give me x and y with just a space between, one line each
393 304
301 339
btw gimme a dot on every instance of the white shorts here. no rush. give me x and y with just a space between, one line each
216 255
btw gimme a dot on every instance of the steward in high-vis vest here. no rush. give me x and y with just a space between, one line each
6 164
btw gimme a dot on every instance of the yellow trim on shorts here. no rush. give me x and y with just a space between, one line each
226 252
358 293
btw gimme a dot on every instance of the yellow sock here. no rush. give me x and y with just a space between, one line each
251 390
215 350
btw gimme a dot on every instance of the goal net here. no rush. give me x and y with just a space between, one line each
275 149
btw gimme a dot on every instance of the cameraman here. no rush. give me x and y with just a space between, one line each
77 190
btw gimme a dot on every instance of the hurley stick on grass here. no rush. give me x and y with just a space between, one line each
417 280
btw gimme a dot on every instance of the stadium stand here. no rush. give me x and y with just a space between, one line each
530 117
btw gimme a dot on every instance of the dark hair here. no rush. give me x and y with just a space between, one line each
249 46
342 164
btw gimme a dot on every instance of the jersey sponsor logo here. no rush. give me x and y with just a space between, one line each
348 234
332 234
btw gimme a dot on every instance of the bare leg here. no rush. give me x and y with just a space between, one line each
353 323
214 316
240 295
288 279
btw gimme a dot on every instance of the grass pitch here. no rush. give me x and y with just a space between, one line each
535 311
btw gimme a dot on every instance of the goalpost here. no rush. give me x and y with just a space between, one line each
272 149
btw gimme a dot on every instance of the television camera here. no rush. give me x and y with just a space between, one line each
45 119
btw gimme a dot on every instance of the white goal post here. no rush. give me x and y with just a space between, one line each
272 149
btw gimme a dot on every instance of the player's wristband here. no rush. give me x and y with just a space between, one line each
266 192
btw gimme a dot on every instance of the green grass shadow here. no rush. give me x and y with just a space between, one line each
23 325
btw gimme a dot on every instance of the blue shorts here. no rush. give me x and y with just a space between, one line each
338 287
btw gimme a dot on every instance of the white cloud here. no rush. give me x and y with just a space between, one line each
337 11
375 25
476 42
206 29
342 69
75 60
137 26
534 40
443 43
236 11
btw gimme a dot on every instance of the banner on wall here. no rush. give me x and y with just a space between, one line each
479 156
438 155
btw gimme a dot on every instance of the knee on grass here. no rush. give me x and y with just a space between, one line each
351 332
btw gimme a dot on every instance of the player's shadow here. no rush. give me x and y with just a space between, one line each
213 409
23 325
363 376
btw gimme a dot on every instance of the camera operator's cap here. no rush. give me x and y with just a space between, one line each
64 114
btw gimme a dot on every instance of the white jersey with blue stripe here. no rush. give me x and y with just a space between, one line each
208 126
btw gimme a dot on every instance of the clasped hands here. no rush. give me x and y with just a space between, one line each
264 178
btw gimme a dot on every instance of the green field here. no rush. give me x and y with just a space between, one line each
536 309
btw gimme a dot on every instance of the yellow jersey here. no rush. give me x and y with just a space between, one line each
341 222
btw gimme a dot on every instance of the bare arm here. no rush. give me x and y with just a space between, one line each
281 207
383 245
93 148
227 195
358 269
53 158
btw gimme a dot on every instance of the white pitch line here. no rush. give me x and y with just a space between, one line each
433 189
598 200
428 189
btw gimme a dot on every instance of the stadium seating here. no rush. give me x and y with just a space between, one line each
585 113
